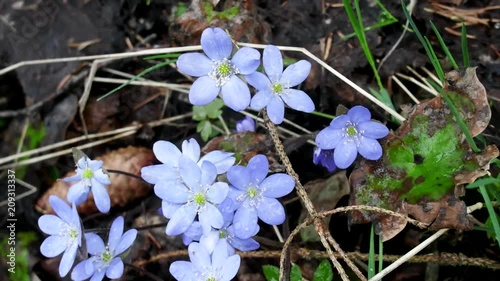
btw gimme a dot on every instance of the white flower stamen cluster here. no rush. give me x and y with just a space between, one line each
221 71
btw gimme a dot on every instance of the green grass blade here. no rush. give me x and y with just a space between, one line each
380 254
465 48
491 212
424 42
443 45
434 60
163 56
144 72
322 114
371 254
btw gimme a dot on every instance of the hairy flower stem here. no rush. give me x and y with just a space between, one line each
321 228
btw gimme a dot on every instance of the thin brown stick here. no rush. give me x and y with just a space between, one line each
319 224
443 259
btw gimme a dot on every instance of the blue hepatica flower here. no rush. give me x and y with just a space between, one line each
351 133
89 175
245 125
105 259
224 234
197 194
169 155
254 195
219 266
65 233
324 157
275 88
217 72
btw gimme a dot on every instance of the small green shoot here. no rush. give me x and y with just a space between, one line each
324 272
272 273
181 9
491 212
371 253
227 14
205 115
324 115
34 136
385 18
465 48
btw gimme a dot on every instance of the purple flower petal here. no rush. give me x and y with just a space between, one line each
345 154
276 110
261 99
51 224
210 217
339 122
73 178
258 167
244 244
244 222
79 274
329 138
78 193
247 60
115 268
370 149
194 64
156 173
239 177
68 259
236 94
259 81
217 192
191 149
190 172
210 240
181 220
94 164
101 197
98 275
216 43
173 192
273 62
100 176
166 152
296 73
62 209
219 255
52 246
95 245
230 267
245 125
203 91
373 130
277 185
222 160
168 209
182 270
115 233
271 211
298 100
126 241
199 256
359 114
208 173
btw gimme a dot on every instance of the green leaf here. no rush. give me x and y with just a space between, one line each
271 272
295 274
323 272
206 130
209 111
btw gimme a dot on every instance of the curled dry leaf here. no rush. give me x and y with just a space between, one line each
122 190
426 162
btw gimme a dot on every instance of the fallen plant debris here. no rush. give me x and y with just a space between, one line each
426 162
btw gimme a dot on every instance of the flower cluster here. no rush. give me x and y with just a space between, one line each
349 134
218 73
66 231
222 217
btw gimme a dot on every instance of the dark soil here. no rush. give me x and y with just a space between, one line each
31 30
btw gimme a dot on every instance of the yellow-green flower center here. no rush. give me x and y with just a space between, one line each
73 233
87 173
222 234
277 88
252 192
351 131
224 69
211 279
199 199
106 256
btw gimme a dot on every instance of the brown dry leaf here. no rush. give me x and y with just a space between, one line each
122 190
324 194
